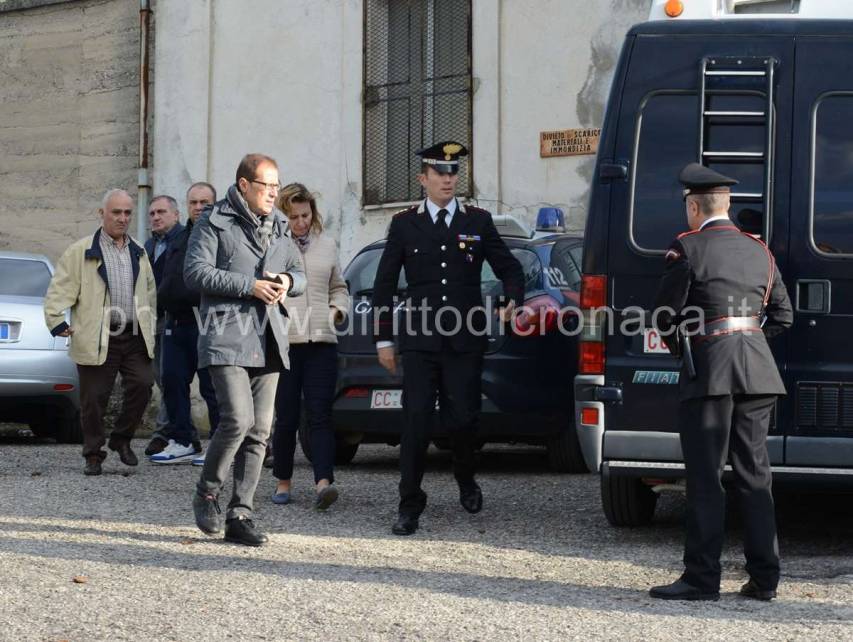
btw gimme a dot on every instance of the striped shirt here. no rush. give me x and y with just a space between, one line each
119 279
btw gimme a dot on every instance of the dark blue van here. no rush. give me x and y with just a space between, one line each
769 102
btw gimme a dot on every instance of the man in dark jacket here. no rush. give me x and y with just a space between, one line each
728 385
243 263
179 352
163 219
441 243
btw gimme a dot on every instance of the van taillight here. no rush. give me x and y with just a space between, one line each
593 291
591 357
537 316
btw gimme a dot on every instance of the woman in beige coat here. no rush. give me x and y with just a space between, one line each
313 351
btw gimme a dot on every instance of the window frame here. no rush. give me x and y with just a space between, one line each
812 167
412 145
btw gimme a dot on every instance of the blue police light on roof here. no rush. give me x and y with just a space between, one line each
550 219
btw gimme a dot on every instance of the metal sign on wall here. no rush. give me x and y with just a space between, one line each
568 142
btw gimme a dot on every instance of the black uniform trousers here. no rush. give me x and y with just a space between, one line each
455 378
713 428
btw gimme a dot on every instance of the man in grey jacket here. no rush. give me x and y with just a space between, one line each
244 265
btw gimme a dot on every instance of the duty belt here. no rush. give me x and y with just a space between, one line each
727 325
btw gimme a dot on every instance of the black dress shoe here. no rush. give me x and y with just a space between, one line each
156 446
127 456
681 590
241 530
405 525
752 590
471 497
93 465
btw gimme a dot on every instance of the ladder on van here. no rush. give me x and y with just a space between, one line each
735 74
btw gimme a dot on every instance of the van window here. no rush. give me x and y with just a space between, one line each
832 207
668 139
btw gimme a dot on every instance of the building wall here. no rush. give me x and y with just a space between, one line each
285 79
69 114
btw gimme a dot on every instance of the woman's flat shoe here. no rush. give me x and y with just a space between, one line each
326 497
281 498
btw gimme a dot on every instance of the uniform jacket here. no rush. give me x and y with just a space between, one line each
224 258
442 270
173 295
311 315
80 284
719 269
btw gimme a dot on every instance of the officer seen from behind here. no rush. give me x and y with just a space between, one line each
728 395
442 244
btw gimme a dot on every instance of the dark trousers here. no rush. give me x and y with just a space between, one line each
310 380
246 399
127 355
179 354
713 428
455 378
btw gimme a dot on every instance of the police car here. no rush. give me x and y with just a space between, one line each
768 99
528 367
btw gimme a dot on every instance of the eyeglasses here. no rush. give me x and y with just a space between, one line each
268 186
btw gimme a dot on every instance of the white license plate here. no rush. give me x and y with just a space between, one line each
653 343
386 399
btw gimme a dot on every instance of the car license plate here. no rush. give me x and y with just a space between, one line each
386 399
652 342
4 332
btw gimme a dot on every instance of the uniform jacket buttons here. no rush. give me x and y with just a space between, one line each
443 248
444 265
416 250
444 298
444 281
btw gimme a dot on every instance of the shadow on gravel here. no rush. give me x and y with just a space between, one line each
603 599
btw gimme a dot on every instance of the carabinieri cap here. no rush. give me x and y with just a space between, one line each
444 157
698 179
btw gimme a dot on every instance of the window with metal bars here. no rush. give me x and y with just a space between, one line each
417 91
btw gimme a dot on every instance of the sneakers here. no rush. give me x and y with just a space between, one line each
207 513
242 530
198 461
174 453
155 446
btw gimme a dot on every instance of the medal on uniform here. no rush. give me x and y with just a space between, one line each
461 245
469 258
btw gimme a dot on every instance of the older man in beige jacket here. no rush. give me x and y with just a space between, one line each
106 282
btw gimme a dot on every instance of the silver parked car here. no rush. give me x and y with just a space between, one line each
38 380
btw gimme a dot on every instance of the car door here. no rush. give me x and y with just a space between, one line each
820 267
658 133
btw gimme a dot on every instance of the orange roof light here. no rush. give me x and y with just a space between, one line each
674 8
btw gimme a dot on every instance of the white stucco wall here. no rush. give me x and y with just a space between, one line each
285 79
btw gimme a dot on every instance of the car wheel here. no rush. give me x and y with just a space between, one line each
564 452
344 449
627 501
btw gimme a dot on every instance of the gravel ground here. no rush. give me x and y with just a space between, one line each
540 562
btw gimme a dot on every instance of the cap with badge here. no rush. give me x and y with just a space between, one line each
698 179
444 157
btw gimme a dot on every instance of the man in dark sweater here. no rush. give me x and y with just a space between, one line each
180 343
163 217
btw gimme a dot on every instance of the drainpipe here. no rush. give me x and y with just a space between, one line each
143 181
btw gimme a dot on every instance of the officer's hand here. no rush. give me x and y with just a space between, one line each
268 291
387 359
283 279
67 332
505 312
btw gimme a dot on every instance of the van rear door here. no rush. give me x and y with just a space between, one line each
658 133
820 267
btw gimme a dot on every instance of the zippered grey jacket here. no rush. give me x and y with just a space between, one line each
225 256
